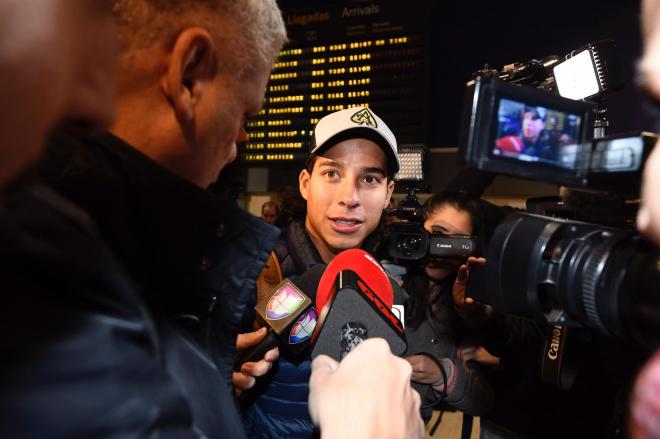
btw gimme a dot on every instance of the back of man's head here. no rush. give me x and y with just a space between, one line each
251 30
190 72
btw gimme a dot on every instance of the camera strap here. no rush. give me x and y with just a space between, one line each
558 367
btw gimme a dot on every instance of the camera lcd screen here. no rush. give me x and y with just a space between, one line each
537 134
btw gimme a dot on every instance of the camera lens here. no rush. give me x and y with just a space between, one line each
407 241
574 273
410 242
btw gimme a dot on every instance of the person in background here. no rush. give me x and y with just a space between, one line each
433 327
270 213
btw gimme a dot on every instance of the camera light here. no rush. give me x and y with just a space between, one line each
590 71
411 159
576 77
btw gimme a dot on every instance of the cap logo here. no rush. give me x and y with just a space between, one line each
364 117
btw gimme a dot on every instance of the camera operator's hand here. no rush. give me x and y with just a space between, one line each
425 370
473 352
458 291
246 378
355 399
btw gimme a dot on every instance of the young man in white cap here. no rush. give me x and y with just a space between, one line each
347 183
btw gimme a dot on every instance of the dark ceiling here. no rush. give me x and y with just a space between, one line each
465 35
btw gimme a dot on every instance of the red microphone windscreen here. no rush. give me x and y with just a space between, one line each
365 266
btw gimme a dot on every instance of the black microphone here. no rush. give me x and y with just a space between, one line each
289 315
354 312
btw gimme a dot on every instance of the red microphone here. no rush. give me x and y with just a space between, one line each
360 262
355 305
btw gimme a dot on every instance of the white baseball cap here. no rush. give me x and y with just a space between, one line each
352 123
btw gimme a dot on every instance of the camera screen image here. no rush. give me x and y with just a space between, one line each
536 134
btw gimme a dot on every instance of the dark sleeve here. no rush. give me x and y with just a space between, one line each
79 354
84 368
506 334
473 394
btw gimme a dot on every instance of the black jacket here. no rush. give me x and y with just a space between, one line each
193 256
438 334
80 353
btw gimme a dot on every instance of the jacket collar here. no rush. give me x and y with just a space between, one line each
165 229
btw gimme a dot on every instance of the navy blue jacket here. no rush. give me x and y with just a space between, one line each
280 410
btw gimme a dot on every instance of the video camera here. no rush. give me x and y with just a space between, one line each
526 132
406 239
547 269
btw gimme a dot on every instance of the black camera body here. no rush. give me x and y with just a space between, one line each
407 241
410 242
552 270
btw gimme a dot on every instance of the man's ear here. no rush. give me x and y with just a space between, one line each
390 189
192 64
303 183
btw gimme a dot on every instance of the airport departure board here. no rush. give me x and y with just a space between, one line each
341 56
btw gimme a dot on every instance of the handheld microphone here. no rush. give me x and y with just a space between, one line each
361 262
289 315
353 309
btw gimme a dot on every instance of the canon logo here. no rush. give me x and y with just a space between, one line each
553 352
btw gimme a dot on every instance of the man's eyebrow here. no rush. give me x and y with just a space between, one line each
374 170
365 170
330 163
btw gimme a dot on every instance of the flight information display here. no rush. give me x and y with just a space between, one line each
341 56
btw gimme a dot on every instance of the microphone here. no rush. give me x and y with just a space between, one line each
352 310
360 261
289 315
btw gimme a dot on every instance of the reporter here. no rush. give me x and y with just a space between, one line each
245 379
354 399
434 326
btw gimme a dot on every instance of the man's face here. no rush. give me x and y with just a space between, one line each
532 125
57 63
269 214
648 218
346 194
222 120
